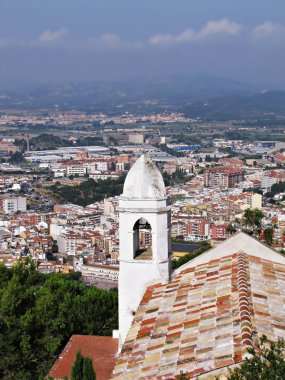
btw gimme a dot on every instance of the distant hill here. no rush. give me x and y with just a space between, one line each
201 96
132 95
266 104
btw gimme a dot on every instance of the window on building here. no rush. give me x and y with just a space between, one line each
142 240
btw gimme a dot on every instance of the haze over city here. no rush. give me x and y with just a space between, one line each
53 41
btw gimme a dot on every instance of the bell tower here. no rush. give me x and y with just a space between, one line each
144 217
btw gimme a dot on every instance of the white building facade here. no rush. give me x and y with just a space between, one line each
10 204
143 206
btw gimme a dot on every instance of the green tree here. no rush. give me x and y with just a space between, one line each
268 234
266 363
89 191
82 368
88 370
231 229
77 367
189 256
252 219
39 313
17 158
54 247
277 188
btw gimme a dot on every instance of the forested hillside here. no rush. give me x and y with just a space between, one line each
88 191
39 313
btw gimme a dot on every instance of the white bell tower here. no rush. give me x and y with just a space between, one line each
145 219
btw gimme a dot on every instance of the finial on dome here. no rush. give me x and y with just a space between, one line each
144 181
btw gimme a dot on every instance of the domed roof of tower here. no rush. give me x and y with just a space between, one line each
144 181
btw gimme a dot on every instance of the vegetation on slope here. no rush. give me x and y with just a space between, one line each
265 363
189 256
47 141
88 191
276 188
39 313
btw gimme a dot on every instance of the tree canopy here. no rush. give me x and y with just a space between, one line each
276 188
268 235
17 158
88 191
189 256
252 219
39 313
77 367
82 368
251 222
267 363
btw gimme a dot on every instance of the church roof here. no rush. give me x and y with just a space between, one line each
209 314
144 181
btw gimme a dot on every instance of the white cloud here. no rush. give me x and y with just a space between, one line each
111 38
224 26
111 41
268 29
106 40
162 39
50 36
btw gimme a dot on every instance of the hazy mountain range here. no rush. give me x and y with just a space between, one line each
263 105
199 96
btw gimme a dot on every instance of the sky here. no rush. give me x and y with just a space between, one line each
61 41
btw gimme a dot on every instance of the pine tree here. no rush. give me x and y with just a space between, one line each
266 363
268 235
82 368
77 368
88 370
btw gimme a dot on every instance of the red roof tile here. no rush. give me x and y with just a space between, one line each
102 350
204 319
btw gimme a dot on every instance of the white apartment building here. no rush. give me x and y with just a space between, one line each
68 243
110 208
97 272
250 200
102 166
267 182
11 204
80 170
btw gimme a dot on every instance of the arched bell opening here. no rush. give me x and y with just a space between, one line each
142 240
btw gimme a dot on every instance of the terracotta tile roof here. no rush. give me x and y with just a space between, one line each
102 350
205 318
